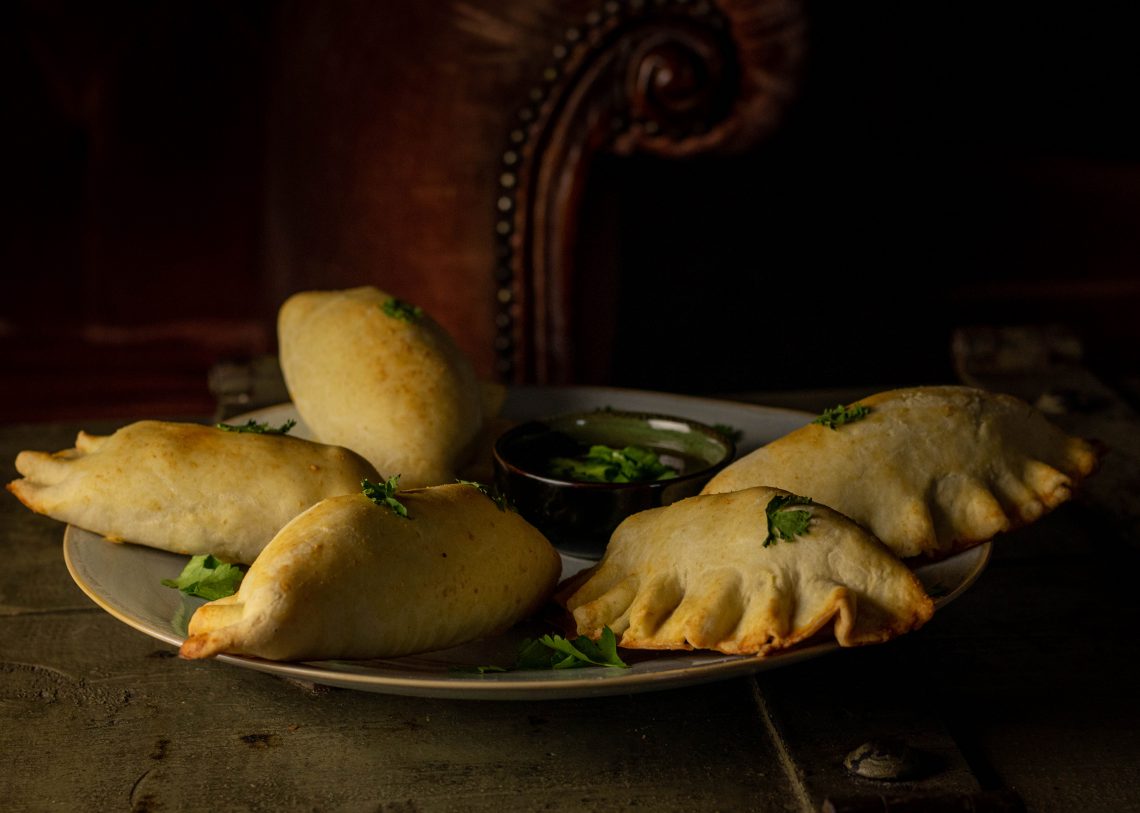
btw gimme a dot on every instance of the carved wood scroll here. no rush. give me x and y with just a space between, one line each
672 78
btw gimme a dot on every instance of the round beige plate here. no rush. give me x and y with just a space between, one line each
126 581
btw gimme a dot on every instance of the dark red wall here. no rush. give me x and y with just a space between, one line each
945 164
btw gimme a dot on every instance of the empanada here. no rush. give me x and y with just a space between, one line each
351 579
698 574
186 488
370 373
929 470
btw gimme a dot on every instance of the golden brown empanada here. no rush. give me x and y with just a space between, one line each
186 488
929 470
351 579
697 574
372 374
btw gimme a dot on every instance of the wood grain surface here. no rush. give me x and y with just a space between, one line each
1018 695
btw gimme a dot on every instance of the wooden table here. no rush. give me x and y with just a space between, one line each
1019 695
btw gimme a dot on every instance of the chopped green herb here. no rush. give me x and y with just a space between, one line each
253 427
733 434
208 578
399 309
603 464
839 415
493 495
783 522
555 652
385 494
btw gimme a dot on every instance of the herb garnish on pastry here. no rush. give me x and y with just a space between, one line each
928 470
381 377
744 573
358 577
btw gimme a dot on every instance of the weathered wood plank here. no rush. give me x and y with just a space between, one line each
1024 684
117 721
1036 674
823 710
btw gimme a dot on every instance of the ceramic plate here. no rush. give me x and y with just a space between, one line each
126 581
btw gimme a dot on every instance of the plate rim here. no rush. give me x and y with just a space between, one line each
517 686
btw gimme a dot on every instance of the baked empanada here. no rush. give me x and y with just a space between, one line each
352 579
930 470
373 374
703 573
186 488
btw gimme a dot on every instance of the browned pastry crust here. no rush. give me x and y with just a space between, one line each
930 470
398 391
697 574
351 579
186 488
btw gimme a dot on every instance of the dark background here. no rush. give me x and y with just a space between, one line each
943 165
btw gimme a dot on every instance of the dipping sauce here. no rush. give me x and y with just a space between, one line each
577 476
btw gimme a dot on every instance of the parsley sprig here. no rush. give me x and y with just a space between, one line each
556 652
254 428
784 523
730 432
399 309
839 415
385 494
499 499
207 577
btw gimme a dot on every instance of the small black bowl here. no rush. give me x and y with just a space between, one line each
578 517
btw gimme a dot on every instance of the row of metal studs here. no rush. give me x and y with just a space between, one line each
528 115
